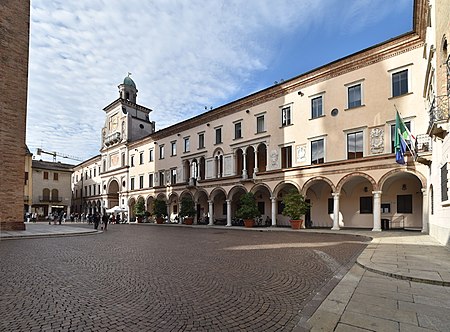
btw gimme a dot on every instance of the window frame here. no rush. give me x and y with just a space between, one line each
286 156
186 144
218 139
238 130
364 206
201 140
286 116
323 151
400 92
161 151
151 155
405 204
173 148
347 144
353 103
260 118
314 106
132 183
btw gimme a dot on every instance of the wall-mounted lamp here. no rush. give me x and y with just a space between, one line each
178 134
404 186
136 150
301 94
366 189
207 124
247 111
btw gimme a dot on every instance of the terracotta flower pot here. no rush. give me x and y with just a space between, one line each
296 224
188 221
249 223
159 220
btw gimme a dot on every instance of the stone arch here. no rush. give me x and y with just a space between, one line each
282 184
186 193
355 174
387 175
217 191
264 185
315 179
235 189
162 197
199 193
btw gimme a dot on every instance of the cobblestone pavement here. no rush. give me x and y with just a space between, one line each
137 278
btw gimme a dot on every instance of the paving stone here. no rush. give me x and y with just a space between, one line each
348 328
369 322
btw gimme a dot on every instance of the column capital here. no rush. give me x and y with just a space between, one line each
377 192
228 201
273 198
335 195
424 191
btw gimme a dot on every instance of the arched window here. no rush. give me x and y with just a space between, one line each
46 194
55 195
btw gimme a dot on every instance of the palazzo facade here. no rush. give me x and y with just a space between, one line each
329 133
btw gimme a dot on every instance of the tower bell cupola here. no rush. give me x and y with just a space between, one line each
128 90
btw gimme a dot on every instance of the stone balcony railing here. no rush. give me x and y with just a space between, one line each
112 139
439 116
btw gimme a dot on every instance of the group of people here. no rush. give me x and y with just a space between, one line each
105 220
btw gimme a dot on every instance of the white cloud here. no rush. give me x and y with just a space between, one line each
183 55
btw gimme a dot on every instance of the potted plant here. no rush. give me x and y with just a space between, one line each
187 210
248 209
295 206
159 210
139 210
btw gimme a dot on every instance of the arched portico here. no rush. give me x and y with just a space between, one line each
263 197
318 192
277 201
201 199
112 194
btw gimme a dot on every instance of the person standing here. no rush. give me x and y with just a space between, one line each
96 220
105 221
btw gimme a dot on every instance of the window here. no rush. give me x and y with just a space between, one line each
141 181
132 184
93 188
238 130
330 205
286 157
365 205
317 152
173 148
400 83
260 128
444 183
45 175
122 160
90 174
404 203
218 135
151 155
104 165
161 152
385 208
95 172
354 96
173 176
355 145
150 180
261 207
186 144
316 107
132 161
90 190
55 176
26 178
285 116
408 125
161 178
141 158
201 140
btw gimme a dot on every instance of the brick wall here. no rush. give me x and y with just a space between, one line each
14 29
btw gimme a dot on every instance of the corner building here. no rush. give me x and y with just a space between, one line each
328 133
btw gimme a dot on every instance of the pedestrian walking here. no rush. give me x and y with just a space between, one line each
96 220
105 221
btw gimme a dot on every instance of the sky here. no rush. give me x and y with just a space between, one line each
183 55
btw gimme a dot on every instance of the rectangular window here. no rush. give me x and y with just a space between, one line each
122 161
354 96
141 181
161 152
173 176
45 175
93 188
330 205
355 145
132 184
218 135
408 125
280 207
55 176
286 157
317 152
151 156
90 174
26 178
260 127
186 144
132 161
365 205
201 140
161 178
316 107
285 116
95 172
404 203
238 130
173 148
261 207
150 180
444 183
385 208
141 158
400 83
90 191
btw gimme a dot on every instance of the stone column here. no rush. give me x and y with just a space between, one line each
228 212
424 211
335 212
376 211
255 170
274 210
210 212
244 168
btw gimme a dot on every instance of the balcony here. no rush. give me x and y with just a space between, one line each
439 117
47 199
112 139
423 149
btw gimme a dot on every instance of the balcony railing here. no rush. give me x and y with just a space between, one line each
423 149
50 199
439 116
112 139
